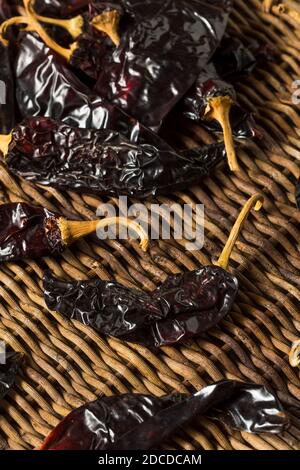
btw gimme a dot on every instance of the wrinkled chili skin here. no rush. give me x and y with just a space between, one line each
28 231
184 306
92 46
103 161
137 75
9 371
142 422
59 8
45 86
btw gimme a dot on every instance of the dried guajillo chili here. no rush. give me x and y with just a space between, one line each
28 231
104 162
294 356
184 306
161 54
9 371
142 422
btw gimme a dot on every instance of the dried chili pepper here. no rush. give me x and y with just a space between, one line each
184 306
9 371
142 422
232 58
28 231
102 161
161 54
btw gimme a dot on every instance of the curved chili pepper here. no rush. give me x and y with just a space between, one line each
184 306
9 370
28 231
142 422
103 161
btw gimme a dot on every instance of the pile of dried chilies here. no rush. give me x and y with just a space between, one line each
87 95
185 62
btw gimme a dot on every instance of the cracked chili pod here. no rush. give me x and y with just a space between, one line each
183 307
143 422
9 370
160 55
28 231
104 162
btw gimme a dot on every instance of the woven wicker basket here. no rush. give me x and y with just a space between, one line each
69 364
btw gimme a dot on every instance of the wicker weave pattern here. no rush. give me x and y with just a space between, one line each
69 364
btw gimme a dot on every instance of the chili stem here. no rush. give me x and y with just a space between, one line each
218 108
255 201
108 23
33 25
74 26
4 143
294 356
73 230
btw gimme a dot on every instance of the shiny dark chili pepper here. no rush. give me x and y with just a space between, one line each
161 54
7 106
232 58
103 161
9 370
28 231
184 306
142 422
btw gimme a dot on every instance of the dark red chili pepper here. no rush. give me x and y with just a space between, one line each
184 306
142 422
10 364
161 54
7 92
233 58
103 161
28 231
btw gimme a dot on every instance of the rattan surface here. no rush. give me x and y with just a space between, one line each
68 364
